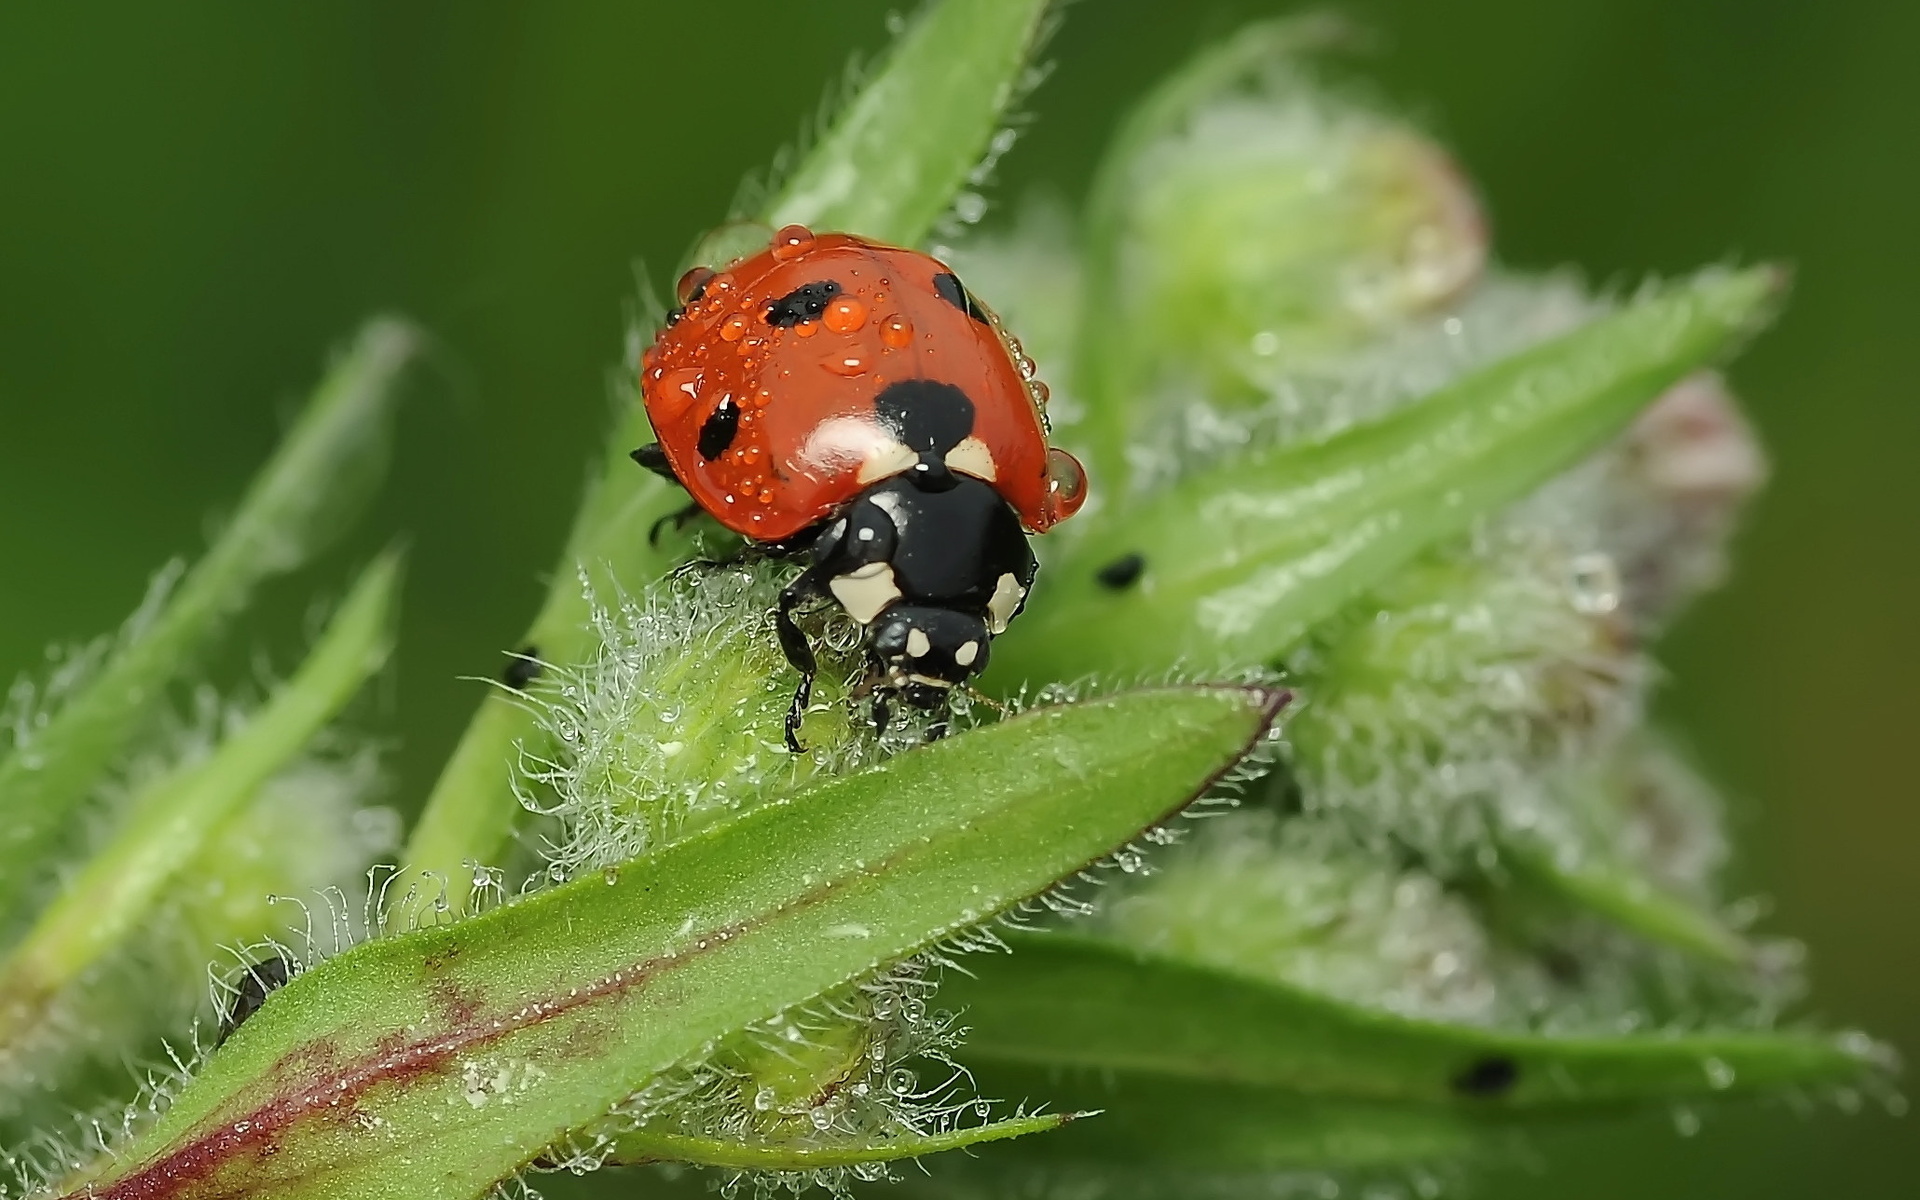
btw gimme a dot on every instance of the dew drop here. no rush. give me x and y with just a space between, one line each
763 1099
1066 485
806 329
848 365
733 328
1686 1122
821 1118
901 1082
791 242
1595 584
845 314
896 332
1719 1074
692 284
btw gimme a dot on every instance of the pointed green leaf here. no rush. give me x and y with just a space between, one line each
435 1063
890 163
1242 560
645 1146
326 463
1079 1003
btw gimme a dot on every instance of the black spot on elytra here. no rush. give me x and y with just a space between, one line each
1493 1075
931 418
261 980
1122 573
804 303
955 293
716 432
523 668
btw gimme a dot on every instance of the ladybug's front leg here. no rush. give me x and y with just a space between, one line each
793 640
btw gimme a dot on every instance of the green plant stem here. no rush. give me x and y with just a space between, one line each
170 822
326 462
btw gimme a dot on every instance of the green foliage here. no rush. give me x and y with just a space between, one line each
463 1052
1466 893
323 469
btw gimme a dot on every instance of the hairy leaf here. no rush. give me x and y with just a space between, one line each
435 1063
1239 562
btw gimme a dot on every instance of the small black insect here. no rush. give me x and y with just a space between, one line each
1122 573
523 668
261 980
1493 1075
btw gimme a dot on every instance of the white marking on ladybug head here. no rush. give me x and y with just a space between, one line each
1007 597
918 644
967 652
971 457
866 591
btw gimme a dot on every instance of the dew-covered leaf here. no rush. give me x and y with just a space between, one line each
434 1063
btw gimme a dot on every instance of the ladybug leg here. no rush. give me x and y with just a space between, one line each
799 652
654 459
882 713
676 520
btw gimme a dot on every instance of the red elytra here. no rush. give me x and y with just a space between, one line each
762 390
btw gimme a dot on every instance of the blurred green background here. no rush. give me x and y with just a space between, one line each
196 200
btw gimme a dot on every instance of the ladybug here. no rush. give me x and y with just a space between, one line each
851 404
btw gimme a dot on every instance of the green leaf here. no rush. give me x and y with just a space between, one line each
890 163
1610 887
435 1063
886 168
327 462
1156 1136
1070 1002
171 821
1242 560
646 1146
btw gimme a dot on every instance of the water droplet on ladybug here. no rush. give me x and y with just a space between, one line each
1040 392
846 364
677 391
693 284
791 242
1066 484
733 328
807 328
844 314
896 332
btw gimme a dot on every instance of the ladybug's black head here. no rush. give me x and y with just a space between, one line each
923 652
